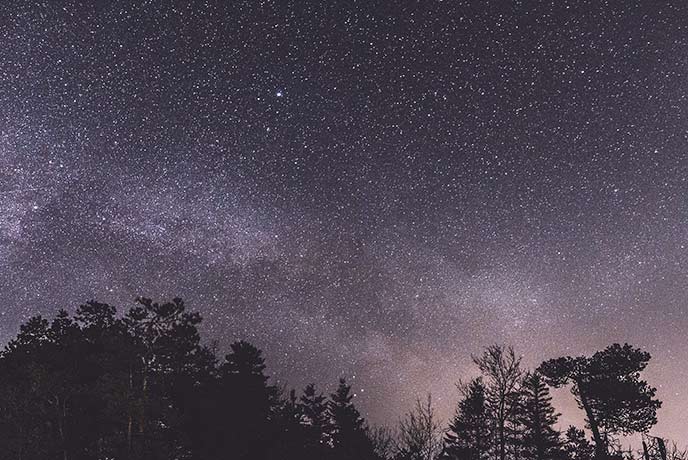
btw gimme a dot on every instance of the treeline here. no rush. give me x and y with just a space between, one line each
97 385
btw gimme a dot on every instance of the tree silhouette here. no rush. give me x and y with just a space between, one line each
99 385
317 423
577 446
420 433
287 438
536 417
240 406
168 346
350 438
385 442
115 363
468 437
502 371
607 386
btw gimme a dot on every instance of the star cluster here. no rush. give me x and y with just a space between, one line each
361 189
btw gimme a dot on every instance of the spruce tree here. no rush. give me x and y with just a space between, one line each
468 437
350 437
577 446
316 420
287 439
539 440
238 408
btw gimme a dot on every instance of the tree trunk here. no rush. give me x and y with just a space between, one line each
130 409
143 442
600 446
646 454
144 402
501 422
64 418
538 435
61 410
662 448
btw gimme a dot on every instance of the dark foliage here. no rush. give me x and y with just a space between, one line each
577 446
138 386
609 389
470 431
538 438
141 386
350 436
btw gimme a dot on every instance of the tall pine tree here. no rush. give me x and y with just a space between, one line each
316 420
287 439
468 437
350 437
609 388
577 446
539 440
237 409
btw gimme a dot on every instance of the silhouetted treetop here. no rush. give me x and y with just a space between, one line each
608 387
142 386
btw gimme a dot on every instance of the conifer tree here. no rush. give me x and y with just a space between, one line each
168 345
577 446
316 420
539 440
250 396
237 408
287 439
350 437
468 437
608 387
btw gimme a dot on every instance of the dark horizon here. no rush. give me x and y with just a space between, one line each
139 383
378 191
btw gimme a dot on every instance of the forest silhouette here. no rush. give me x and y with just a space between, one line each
142 385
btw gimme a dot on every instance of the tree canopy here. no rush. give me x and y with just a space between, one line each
140 384
608 387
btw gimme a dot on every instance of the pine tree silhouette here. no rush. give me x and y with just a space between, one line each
538 438
607 386
468 437
577 446
350 438
317 424
247 403
141 386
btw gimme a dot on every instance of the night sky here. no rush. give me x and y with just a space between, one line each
369 189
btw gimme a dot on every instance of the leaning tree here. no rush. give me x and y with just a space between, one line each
607 386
